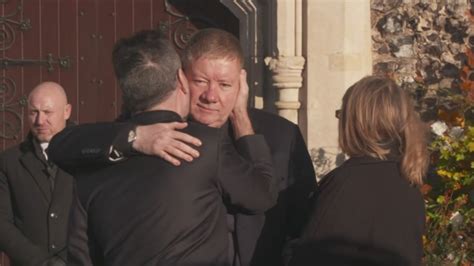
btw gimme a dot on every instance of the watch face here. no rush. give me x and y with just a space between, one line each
132 136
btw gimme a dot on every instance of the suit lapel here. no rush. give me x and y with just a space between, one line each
34 167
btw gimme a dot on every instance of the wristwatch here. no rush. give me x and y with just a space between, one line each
132 136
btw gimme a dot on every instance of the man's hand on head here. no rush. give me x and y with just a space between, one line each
165 141
239 115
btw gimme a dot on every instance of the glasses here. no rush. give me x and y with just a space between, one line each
338 113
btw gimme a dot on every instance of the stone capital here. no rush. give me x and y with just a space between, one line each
287 78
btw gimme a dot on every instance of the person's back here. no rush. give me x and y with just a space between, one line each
386 217
147 211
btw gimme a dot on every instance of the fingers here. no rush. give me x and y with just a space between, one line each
181 151
183 137
244 87
243 94
177 125
164 140
169 158
179 145
176 151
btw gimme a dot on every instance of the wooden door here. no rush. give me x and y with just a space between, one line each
70 42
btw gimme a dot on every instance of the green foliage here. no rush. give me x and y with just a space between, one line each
449 199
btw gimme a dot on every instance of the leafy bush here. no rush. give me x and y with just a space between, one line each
449 198
449 192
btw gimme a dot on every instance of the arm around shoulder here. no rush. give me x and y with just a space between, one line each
88 144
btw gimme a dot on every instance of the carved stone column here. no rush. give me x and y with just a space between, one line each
287 79
287 62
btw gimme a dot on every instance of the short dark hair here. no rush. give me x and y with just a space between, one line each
146 67
214 44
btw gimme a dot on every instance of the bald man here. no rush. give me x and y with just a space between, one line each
35 196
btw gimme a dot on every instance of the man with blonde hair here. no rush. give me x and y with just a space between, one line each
145 211
35 195
213 64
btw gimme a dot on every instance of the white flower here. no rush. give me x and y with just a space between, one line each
439 128
450 256
456 219
456 132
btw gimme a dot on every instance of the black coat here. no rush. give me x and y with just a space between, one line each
366 214
147 211
260 238
33 219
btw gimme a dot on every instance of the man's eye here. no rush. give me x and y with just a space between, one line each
226 85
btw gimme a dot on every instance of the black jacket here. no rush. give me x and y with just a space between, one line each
33 218
366 214
259 238
147 211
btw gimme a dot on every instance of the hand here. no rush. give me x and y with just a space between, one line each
243 95
239 115
165 141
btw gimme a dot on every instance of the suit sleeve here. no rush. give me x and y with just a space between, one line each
78 239
90 144
246 174
13 242
303 186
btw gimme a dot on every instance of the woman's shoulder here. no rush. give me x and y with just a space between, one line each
364 174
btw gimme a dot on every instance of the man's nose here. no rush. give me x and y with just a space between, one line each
211 94
40 118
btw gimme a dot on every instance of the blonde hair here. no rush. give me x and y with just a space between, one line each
213 44
378 118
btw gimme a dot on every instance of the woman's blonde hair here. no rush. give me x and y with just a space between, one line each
377 118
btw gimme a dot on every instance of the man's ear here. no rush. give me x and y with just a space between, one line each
182 81
67 111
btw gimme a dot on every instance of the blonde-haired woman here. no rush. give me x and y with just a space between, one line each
370 211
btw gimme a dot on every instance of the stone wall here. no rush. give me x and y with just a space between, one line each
423 45
337 48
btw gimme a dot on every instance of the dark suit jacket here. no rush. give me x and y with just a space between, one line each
260 238
366 214
33 219
145 211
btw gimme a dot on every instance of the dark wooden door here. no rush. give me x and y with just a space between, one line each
70 42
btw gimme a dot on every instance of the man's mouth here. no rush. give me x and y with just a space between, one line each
41 130
206 108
